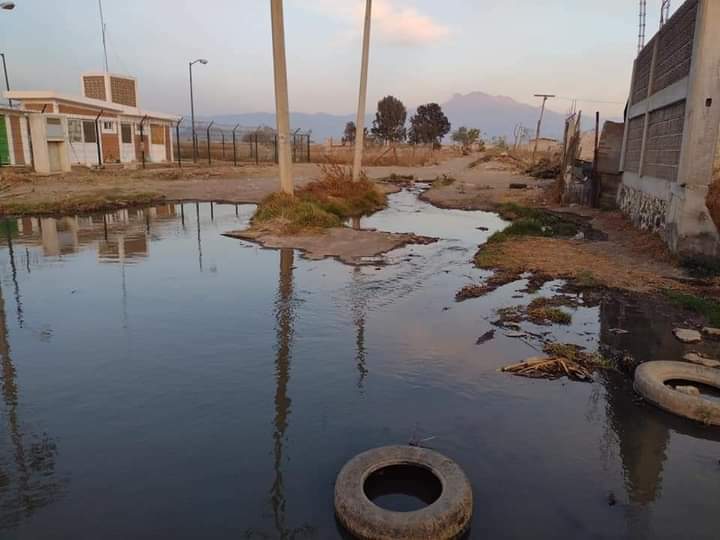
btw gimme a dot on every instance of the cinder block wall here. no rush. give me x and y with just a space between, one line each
672 121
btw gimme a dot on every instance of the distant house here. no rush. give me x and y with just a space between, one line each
104 125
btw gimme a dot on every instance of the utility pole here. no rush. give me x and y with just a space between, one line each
282 108
104 42
362 96
539 124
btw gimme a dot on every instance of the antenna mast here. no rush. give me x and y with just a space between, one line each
643 19
102 25
664 12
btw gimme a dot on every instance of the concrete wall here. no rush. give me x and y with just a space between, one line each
672 126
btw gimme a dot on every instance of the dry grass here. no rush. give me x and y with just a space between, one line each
398 155
321 204
570 259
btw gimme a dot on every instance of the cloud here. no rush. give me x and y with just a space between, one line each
393 22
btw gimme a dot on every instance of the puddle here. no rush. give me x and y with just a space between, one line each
161 380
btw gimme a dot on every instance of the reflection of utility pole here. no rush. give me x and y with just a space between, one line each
359 309
285 329
282 108
360 120
13 268
539 124
197 214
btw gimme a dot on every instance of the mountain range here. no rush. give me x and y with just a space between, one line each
493 115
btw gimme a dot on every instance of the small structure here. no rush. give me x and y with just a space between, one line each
14 142
104 125
672 126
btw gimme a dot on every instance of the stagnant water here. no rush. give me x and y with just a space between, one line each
162 381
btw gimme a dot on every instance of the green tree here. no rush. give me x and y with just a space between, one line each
429 125
466 137
349 133
389 123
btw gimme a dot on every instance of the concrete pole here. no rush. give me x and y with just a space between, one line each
360 120
282 109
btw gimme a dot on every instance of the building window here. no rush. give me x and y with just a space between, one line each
108 127
75 130
89 131
126 132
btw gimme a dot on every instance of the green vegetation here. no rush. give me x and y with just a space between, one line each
707 307
81 204
702 266
321 204
532 222
542 310
586 280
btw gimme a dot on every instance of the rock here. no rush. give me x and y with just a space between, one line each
518 186
618 331
699 359
579 236
710 332
487 336
689 390
686 335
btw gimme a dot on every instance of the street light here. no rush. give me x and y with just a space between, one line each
192 107
7 5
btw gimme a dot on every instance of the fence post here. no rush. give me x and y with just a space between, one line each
257 156
208 143
222 134
275 149
177 140
235 146
142 139
308 148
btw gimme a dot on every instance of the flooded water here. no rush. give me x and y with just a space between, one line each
162 381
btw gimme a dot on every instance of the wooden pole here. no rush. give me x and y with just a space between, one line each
282 108
539 124
362 96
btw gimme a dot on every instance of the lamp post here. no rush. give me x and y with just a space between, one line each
7 81
192 107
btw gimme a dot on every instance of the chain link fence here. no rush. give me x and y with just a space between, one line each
231 145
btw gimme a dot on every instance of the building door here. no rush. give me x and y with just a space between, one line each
54 149
4 144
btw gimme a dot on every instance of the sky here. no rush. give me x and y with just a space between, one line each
421 50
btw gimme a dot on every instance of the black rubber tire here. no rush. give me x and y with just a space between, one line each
447 518
650 379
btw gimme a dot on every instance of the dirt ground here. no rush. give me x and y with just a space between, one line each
350 246
628 259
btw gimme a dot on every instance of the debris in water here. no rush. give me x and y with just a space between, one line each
495 281
713 333
618 331
612 500
548 367
701 360
482 228
687 335
515 334
487 336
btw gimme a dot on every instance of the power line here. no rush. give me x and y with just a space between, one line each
581 100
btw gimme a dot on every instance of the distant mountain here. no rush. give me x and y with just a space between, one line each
498 115
494 115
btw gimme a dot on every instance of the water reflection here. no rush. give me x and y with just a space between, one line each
13 271
285 331
27 469
359 308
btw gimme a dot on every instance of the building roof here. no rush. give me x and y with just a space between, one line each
33 95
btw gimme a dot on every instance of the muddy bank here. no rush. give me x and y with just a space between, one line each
350 246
